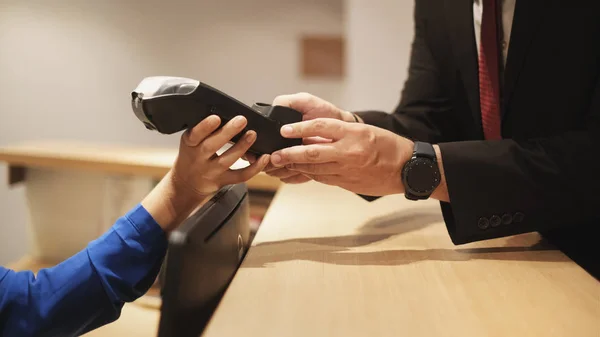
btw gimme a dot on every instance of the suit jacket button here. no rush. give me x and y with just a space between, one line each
483 223
507 219
518 217
495 221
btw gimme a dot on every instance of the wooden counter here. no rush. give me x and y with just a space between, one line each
102 158
327 263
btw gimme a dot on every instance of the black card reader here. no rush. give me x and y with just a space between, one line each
171 104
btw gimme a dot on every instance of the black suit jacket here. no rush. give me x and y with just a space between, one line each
544 175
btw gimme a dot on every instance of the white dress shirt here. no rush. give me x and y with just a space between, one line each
508 10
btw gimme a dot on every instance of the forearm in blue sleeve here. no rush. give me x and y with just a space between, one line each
89 289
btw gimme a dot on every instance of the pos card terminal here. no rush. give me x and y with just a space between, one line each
203 257
172 104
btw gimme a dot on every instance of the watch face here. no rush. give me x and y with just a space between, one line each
421 176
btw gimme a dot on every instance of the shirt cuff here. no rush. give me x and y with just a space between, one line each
148 230
128 257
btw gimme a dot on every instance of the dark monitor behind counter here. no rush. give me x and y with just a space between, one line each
203 256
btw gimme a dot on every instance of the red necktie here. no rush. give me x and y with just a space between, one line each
489 85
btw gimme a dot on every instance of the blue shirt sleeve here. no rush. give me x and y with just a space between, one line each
89 289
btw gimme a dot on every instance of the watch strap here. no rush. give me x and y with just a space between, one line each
411 196
422 149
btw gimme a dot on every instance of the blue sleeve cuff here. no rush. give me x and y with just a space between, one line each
148 229
128 257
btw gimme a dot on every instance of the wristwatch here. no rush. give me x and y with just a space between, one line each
421 174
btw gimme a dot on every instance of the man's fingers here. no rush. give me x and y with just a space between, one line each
315 140
328 128
221 137
242 175
283 100
270 167
302 102
282 173
316 169
303 154
297 179
229 157
193 137
249 157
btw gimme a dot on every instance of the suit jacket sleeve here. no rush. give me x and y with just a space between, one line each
89 289
496 188
507 187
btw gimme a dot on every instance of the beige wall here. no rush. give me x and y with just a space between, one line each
379 35
67 67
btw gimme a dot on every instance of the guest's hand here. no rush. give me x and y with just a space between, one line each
198 172
311 107
360 158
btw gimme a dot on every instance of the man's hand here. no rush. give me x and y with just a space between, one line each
311 107
360 158
198 172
